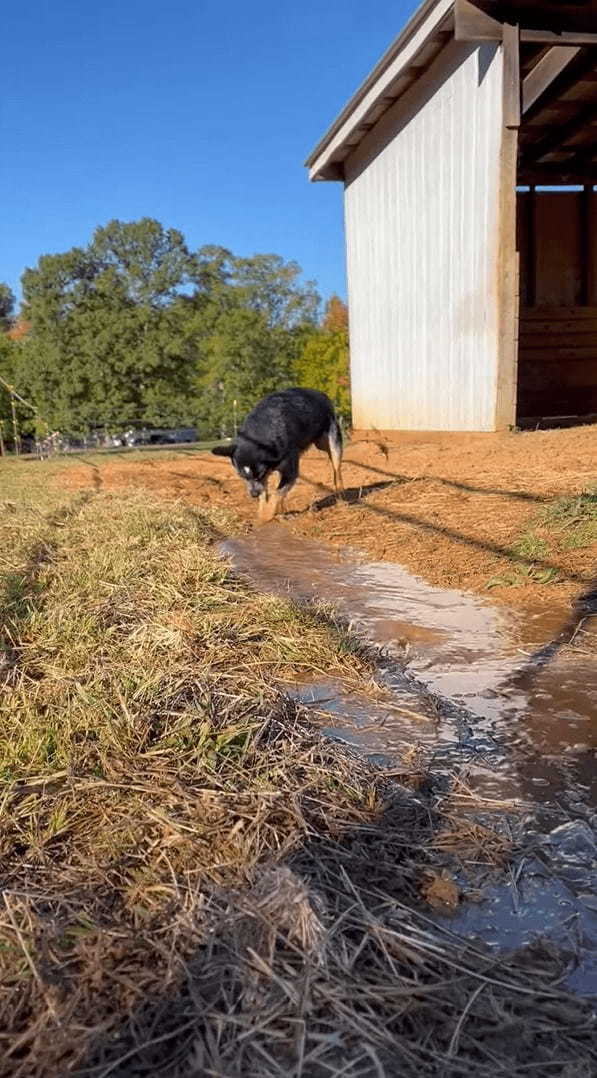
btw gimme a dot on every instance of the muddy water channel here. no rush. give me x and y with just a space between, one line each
505 701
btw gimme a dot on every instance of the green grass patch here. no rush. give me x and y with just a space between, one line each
531 547
573 519
523 574
565 524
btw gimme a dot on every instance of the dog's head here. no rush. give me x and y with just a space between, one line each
249 463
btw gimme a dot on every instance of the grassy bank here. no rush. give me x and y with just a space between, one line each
195 882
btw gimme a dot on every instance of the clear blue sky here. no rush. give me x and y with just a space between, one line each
197 112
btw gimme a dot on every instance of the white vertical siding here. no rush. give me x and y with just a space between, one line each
422 216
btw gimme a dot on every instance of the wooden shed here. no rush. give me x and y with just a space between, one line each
468 158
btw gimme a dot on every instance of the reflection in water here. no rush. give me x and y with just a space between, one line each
539 718
529 701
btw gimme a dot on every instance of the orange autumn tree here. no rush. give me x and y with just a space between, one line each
19 329
335 315
324 361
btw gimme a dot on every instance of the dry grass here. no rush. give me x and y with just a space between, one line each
194 882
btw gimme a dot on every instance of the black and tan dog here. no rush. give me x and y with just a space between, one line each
272 438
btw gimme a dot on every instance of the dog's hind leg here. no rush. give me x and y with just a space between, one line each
331 443
282 494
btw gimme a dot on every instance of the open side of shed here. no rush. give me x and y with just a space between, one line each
557 234
468 158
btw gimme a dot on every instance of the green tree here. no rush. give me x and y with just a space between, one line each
246 359
136 330
7 305
144 263
324 364
27 421
255 315
106 329
267 284
6 375
324 360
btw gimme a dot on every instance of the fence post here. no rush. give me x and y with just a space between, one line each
15 428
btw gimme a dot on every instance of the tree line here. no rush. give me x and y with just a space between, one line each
136 330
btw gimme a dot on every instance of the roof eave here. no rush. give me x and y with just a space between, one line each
325 161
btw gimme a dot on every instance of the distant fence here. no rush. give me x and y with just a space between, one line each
47 443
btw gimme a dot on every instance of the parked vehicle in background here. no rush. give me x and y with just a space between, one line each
173 437
157 436
58 442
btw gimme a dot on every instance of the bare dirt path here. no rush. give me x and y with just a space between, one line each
462 511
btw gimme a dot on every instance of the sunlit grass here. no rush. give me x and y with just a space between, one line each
187 866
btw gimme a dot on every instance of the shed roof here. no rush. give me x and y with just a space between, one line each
548 25
416 47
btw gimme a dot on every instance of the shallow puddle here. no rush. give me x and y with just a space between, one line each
506 699
522 699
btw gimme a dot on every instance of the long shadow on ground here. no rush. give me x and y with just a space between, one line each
521 495
359 495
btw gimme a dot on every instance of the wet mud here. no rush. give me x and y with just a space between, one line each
506 700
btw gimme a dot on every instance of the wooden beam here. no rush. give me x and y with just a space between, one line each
472 24
579 70
556 15
581 162
565 111
553 37
541 76
578 171
556 179
483 21
511 76
556 138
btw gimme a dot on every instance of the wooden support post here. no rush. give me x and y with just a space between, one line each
508 261
511 76
530 283
585 245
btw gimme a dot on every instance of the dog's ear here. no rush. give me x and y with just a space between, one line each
224 450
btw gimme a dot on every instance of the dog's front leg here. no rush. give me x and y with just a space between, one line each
264 506
288 470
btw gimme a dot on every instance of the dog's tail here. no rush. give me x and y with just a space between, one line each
335 452
335 434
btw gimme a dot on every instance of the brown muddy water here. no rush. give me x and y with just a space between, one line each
506 701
